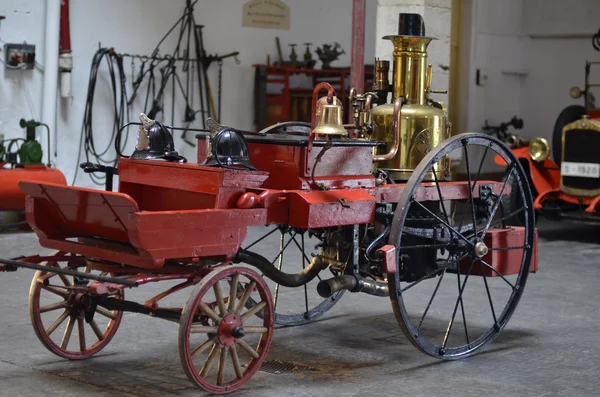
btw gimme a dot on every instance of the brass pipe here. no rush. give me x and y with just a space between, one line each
429 77
396 124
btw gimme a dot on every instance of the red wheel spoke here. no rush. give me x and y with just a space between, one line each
253 311
244 299
57 323
56 291
97 330
53 306
236 362
232 292
106 313
222 364
219 296
209 312
202 348
248 349
201 329
65 280
67 335
81 329
210 360
255 330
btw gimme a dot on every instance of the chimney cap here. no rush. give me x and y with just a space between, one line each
411 25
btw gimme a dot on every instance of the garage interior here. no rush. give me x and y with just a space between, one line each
511 69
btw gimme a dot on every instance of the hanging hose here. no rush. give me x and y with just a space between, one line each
87 140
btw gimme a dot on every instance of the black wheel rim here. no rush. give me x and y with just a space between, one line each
293 254
467 316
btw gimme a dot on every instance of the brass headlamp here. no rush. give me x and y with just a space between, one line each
539 149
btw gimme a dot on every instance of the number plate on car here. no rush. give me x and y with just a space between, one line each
584 170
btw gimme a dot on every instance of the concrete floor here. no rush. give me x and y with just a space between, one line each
549 348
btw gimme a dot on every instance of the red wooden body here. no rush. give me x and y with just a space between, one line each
185 213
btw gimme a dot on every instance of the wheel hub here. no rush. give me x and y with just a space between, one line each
480 249
230 330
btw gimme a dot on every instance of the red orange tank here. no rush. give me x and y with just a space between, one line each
11 197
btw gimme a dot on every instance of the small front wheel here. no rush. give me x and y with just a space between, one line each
57 305
222 343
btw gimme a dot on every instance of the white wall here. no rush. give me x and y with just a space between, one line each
495 44
556 65
136 26
528 77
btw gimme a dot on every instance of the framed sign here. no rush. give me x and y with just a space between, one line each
272 14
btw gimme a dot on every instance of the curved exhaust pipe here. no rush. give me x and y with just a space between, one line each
285 279
352 283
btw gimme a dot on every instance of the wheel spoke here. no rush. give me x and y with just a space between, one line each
437 286
81 329
248 349
233 284
471 187
260 239
207 343
487 289
57 323
281 250
508 248
433 273
256 308
221 370
67 334
422 246
56 291
458 300
498 273
208 311
462 306
500 221
65 280
255 330
441 221
236 362
249 288
53 306
219 296
106 313
304 258
462 218
439 190
281 246
97 330
210 360
511 168
202 329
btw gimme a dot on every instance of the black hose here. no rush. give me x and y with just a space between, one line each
287 280
352 283
374 243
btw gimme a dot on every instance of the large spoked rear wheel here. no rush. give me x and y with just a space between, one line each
454 291
58 304
289 250
222 343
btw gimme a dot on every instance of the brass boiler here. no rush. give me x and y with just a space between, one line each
421 125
